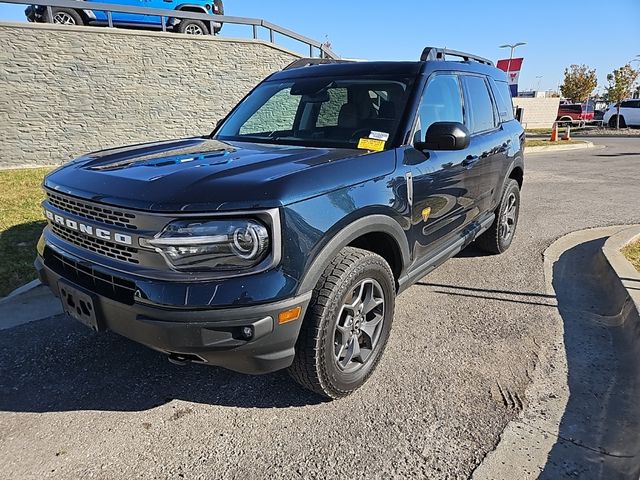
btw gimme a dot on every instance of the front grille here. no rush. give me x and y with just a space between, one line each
103 284
97 245
102 214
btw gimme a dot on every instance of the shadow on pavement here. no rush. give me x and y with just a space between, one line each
471 251
623 154
58 365
523 298
599 431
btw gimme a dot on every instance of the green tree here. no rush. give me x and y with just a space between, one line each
579 82
621 83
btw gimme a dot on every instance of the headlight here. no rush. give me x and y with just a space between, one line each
215 245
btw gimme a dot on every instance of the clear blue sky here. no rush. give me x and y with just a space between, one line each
558 33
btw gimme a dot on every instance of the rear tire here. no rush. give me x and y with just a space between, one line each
497 239
65 16
192 27
613 122
347 325
565 122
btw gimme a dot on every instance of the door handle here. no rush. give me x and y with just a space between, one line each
470 161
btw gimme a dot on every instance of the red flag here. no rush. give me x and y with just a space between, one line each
513 65
512 68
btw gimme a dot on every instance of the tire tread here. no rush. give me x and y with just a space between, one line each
489 241
307 368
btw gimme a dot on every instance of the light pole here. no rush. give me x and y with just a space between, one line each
512 47
539 77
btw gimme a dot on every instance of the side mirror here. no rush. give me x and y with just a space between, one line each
445 136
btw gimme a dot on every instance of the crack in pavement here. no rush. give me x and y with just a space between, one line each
576 443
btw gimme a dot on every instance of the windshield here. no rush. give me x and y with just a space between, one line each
322 112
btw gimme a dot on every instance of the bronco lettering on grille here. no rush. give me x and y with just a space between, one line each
89 230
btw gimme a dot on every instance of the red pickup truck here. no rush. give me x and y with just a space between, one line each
575 114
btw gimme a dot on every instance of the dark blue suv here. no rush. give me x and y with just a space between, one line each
282 239
87 16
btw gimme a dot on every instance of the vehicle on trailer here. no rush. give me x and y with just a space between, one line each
629 113
281 240
87 16
575 114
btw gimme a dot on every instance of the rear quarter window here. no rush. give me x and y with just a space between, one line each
502 94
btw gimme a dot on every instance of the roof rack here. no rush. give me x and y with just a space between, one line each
434 53
307 62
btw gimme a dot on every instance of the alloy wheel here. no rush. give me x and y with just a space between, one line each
193 29
509 218
63 18
359 325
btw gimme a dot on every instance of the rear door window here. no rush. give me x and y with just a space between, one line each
479 105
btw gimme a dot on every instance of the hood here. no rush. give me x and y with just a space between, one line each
201 174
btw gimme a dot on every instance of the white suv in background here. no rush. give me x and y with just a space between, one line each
629 114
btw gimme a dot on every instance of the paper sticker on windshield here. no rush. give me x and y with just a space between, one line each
371 144
379 136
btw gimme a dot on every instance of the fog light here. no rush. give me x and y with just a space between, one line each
290 315
247 332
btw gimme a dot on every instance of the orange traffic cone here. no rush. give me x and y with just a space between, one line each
567 134
554 133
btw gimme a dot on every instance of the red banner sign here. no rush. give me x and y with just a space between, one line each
512 68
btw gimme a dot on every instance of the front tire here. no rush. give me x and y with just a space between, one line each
497 239
347 325
65 16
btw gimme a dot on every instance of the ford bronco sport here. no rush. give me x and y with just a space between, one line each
282 239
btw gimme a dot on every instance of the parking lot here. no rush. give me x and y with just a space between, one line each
465 345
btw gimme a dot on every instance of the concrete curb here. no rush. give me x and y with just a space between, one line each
559 147
21 290
627 275
526 444
34 302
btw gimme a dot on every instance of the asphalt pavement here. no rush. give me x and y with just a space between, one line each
465 345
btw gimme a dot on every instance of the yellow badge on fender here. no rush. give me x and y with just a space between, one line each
426 213
371 144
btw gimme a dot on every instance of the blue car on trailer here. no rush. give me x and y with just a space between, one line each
87 16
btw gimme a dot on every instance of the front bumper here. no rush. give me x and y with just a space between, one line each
211 336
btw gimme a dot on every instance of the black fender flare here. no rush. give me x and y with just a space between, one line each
190 6
517 162
362 226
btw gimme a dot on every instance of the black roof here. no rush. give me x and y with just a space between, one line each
347 68
352 69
